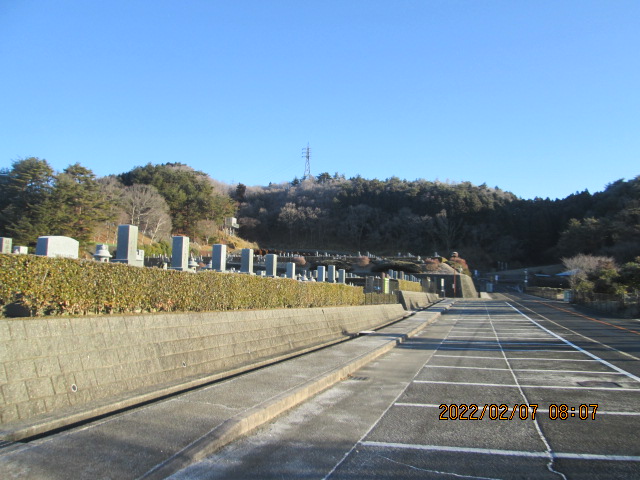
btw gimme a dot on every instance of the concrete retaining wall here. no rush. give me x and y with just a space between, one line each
417 300
464 284
88 366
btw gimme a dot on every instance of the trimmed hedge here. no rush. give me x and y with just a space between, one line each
34 286
408 286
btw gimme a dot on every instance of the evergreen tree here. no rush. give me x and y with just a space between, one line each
79 204
25 200
188 193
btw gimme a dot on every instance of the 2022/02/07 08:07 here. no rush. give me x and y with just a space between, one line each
473 411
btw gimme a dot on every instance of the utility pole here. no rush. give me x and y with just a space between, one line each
306 154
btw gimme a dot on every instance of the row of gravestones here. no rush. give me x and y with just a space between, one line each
128 253
49 246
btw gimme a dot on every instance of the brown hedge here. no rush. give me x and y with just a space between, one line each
35 286
408 286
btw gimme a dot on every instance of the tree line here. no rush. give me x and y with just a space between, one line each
160 199
329 212
424 217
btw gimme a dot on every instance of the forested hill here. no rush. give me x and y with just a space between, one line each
422 217
486 225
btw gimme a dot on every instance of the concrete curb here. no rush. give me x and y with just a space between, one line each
241 424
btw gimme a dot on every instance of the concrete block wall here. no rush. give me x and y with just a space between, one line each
416 300
91 364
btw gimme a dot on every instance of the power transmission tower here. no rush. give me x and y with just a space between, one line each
306 154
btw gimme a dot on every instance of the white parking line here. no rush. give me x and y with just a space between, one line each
510 453
536 344
523 370
558 387
518 359
508 350
595 357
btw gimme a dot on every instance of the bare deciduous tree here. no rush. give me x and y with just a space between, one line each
146 208
581 265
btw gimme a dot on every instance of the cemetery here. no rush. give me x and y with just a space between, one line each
81 338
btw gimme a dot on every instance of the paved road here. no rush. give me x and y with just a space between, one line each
569 383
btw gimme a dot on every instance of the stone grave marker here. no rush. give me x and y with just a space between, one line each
219 257
291 270
180 253
5 245
246 262
271 264
331 274
57 246
341 275
127 246
321 273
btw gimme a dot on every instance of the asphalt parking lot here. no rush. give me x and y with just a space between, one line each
491 390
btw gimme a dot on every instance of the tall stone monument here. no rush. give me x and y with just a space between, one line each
271 261
321 274
342 275
219 257
127 247
291 270
246 265
331 274
180 253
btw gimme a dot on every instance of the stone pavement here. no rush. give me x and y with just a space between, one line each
157 440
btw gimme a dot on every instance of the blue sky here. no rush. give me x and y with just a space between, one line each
540 98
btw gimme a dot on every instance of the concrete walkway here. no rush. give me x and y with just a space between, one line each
157 440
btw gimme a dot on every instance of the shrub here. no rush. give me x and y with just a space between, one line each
459 263
56 286
363 261
408 286
300 261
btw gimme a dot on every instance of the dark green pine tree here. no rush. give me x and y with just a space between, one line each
79 204
25 200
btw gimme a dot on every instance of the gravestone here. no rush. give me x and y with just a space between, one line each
321 273
20 250
127 246
219 257
180 253
331 274
341 275
271 264
246 265
5 245
57 246
291 270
